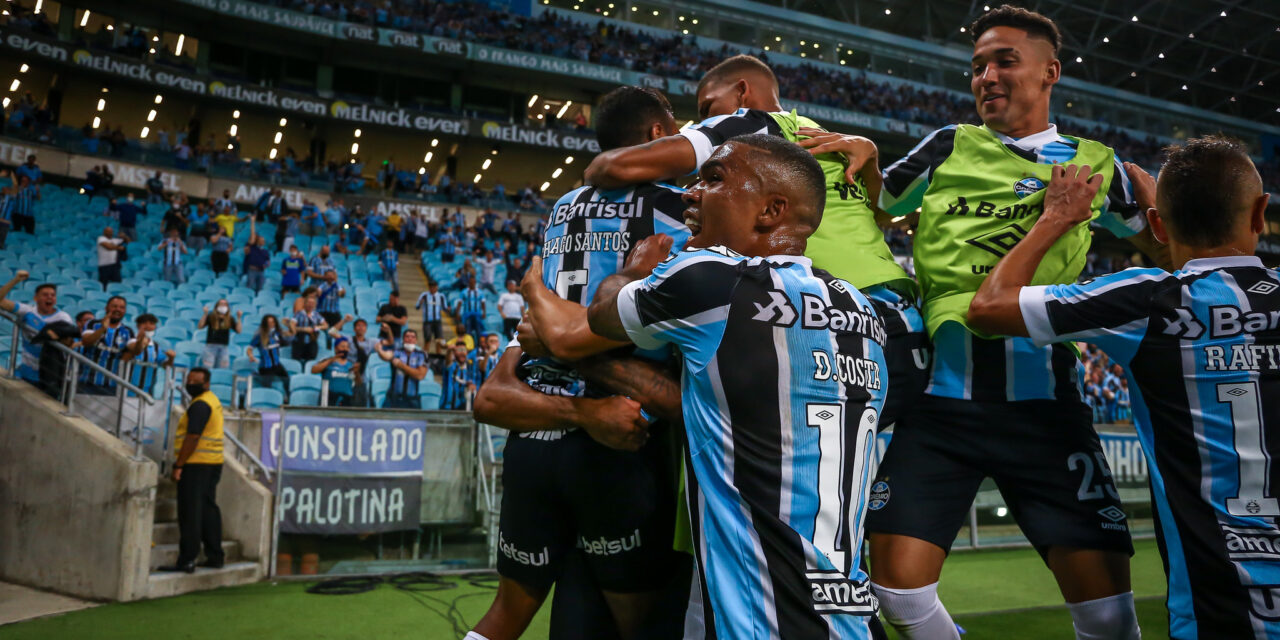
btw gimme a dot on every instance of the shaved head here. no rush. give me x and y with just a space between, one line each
785 168
740 81
737 67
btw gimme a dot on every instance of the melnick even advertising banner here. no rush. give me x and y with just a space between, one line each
345 475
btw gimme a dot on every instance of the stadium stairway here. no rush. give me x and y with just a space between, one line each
164 551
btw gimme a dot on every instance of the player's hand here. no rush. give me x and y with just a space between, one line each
857 149
1068 200
615 422
530 343
648 254
1144 186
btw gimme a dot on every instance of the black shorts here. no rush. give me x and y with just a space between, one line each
907 353
1043 455
572 492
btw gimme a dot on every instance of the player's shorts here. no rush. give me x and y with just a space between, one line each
1044 456
573 492
907 350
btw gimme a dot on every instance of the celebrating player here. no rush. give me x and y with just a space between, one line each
565 479
740 96
1003 408
782 386
1199 347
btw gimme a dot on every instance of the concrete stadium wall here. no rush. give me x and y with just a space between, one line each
246 506
76 507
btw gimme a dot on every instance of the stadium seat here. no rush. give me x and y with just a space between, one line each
430 399
266 399
223 392
291 365
221 376
304 381
304 397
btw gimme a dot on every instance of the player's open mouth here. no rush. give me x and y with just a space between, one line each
691 221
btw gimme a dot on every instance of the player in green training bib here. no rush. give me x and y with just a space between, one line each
740 96
1000 407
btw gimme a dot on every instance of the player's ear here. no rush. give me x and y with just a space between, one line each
1052 72
1257 214
1156 223
777 208
656 130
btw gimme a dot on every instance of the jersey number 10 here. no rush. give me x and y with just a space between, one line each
1251 497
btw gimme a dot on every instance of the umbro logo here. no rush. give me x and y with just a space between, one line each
1112 513
779 310
1184 325
1263 287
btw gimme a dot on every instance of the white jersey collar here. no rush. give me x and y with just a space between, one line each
1222 262
1033 142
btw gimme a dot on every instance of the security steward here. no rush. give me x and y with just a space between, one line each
197 471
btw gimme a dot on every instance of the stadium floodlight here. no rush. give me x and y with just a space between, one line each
102 102
1106 39
777 38
5 102
1079 59
1222 15
272 155
1001 512
1161 56
145 131
802 43
23 68
159 98
695 21
355 148
422 170
109 27
681 18
986 7
568 160
684 31
233 130
545 185
84 19
842 62
357 133
634 9
39 5
476 180
427 158
152 50
804 55
283 122
235 114
97 122
897 219
182 39
17 83
435 141
533 100
280 135
155 38
655 12
151 117
1184 87
556 174
1133 19
487 162
888 11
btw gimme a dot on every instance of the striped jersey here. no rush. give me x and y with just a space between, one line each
24 202
966 366
320 266
32 322
306 319
106 352
402 384
453 386
173 252
390 259
432 304
783 380
590 232
1201 349
144 377
268 350
471 301
6 207
329 295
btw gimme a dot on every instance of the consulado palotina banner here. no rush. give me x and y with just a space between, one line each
344 475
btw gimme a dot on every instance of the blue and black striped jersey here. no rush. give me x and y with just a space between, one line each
784 377
1201 349
106 352
590 233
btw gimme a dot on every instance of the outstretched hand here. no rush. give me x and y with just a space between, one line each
857 149
648 254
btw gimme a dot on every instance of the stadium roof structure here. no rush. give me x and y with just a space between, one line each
1219 55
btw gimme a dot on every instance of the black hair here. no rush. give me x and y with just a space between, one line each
735 67
1006 15
83 313
793 165
626 113
1205 184
47 285
114 298
146 317
204 372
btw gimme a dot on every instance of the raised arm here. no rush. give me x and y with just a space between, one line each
662 159
5 302
1067 202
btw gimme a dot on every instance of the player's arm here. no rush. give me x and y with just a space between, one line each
5 302
662 159
905 181
654 385
1144 197
560 325
508 402
1067 203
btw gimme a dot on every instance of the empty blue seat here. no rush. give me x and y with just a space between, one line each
304 397
304 381
266 399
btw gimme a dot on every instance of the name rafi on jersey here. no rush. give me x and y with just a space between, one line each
604 210
610 241
1242 357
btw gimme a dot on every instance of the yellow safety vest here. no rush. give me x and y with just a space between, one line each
209 449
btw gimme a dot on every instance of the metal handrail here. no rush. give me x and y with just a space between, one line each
78 358
239 446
